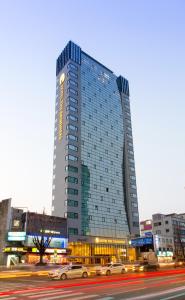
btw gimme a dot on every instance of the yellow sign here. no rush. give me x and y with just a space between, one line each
14 249
61 107
109 241
62 78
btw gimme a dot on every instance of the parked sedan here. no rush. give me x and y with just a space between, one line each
112 268
74 271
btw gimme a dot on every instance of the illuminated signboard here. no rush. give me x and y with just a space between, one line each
142 241
48 250
56 242
61 107
14 249
165 253
16 236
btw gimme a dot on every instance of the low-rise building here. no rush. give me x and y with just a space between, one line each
17 229
170 234
146 228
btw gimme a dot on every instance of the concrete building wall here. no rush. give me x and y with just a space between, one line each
5 215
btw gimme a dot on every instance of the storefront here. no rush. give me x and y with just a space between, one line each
165 256
21 249
29 255
100 251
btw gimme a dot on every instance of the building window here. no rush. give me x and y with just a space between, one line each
103 219
70 191
132 169
71 169
72 67
130 152
133 195
72 91
113 200
72 82
72 74
71 108
73 100
133 186
107 189
70 202
166 222
101 198
135 214
129 135
72 147
71 215
72 118
96 207
71 179
95 186
71 157
71 127
135 224
134 204
108 209
72 231
72 137
167 230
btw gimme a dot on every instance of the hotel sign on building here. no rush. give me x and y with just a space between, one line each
61 107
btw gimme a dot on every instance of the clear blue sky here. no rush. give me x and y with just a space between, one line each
142 40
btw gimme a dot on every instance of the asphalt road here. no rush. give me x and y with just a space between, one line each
163 285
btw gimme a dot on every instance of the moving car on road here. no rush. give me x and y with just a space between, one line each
65 272
112 268
144 266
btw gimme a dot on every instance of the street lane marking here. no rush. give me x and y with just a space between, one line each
63 296
127 291
85 297
49 294
27 293
8 298
173 297
105 298
152 295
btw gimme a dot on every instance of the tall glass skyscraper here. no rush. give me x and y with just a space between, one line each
94 182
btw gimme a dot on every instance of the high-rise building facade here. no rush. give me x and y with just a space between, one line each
94 181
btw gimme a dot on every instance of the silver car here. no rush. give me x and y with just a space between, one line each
112 268
74 271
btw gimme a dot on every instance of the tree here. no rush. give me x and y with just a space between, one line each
42 240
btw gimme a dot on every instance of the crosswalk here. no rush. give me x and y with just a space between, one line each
53 294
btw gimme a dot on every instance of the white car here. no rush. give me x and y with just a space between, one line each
112 268
71 271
